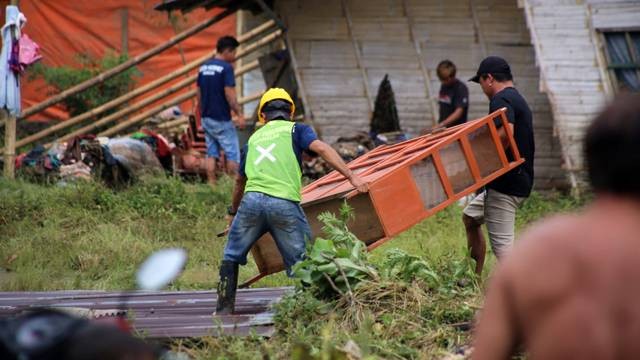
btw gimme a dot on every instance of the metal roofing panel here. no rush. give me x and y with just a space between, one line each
160 314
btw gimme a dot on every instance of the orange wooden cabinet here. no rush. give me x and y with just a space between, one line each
408 182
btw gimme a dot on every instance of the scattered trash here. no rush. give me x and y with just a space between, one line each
114 161
135 156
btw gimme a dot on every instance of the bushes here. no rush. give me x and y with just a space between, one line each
64 77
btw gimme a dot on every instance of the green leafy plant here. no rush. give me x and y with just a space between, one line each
335 265
401 266
64 77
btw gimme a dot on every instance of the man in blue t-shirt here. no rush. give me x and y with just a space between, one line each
217 99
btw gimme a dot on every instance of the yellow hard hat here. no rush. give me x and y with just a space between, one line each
273 94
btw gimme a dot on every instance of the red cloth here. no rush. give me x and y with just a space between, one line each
162 146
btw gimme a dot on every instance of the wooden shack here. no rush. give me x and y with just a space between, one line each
344 48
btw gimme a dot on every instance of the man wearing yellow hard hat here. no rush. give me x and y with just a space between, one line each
266 196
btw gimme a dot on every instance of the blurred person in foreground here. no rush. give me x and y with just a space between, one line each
569 289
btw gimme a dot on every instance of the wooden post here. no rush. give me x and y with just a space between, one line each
127 64
267 10
240 22
296 72
152 85
124 31
9 144
9 137
609 92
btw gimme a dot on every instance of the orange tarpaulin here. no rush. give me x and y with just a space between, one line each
65 28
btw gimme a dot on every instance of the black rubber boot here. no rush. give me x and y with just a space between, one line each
227 288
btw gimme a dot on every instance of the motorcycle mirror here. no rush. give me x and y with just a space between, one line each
161 268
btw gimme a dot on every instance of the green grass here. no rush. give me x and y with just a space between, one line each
86 236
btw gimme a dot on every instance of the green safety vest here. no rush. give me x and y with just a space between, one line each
271 165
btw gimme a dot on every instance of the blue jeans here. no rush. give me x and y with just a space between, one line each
260 213
221 134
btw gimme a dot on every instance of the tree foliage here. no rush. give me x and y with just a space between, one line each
64 77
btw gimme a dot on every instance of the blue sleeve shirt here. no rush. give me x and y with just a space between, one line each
302 136
213 77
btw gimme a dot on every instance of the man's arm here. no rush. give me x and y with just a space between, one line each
232 99
455 116
331 156
495 335
497 104
238 192
198 95
503 134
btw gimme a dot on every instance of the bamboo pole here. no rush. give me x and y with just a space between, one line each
9 144
186 96
250 98
147 101
173 123
111 104
125 124
175 88
240 17
126 65
9 122
139 91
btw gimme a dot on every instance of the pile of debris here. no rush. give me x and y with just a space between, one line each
116 161
384 130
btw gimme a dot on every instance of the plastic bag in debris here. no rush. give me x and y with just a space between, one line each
135 156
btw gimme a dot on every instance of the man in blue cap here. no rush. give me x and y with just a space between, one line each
496 206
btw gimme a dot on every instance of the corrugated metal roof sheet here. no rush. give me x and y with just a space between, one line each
162 314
